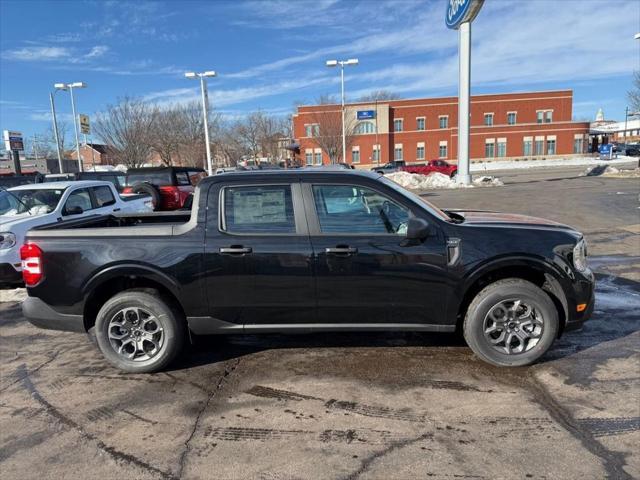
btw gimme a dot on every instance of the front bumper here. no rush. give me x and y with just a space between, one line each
9 275
583 293
43 316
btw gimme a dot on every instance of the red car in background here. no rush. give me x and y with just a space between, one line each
439 166
169 187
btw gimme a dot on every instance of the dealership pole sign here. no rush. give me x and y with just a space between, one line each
459 15
13 141
461 11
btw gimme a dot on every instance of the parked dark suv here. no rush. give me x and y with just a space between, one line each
169 187
114 176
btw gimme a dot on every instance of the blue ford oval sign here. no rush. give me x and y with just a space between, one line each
460 11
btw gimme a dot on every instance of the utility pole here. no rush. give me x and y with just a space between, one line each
55 130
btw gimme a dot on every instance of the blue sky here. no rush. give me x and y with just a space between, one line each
270 54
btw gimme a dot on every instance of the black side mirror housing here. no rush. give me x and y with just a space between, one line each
417 229
77 210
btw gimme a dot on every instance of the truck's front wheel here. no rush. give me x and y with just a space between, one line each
139 332
511 323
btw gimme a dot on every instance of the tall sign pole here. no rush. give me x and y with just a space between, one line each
459 15
55 131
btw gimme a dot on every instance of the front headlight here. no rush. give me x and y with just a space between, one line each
580 256
7 240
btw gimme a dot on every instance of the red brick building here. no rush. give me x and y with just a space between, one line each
503 126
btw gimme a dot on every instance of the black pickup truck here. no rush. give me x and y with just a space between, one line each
307 251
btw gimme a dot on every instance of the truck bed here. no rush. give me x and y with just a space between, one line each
152 223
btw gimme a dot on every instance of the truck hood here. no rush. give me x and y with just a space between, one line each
24 221
479 217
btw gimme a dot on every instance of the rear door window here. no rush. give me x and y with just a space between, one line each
159 178
104 196
182 178
265 209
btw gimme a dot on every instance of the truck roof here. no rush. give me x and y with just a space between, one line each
289 173
60 185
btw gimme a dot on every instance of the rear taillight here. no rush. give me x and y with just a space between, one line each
31 257
127 190
171 191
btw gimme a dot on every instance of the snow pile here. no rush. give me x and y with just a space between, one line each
13 295
553 162
416 181
609 171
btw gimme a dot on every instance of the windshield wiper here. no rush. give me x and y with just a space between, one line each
20 201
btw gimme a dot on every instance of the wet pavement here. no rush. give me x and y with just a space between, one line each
347 406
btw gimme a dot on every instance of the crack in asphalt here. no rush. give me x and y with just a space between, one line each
613 462
20 372
117 455
368 462
211 394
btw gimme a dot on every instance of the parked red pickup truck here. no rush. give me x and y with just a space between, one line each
439 166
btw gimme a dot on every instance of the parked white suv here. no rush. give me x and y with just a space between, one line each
28 206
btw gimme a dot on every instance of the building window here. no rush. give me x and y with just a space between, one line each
355 155
318 156
502 147
443 150
444 121
309 158
312 130
420 152
548 116
365 127
540 116
488 119
511 118
527 148
578 145
420 123
539 147
551 147
490 150
397 152
397 125
376 153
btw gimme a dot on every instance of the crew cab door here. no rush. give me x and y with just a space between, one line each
366 274
258 263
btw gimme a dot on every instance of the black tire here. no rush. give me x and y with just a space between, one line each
148 189
454 174
505 291
168 318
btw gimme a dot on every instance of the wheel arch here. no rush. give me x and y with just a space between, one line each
113 280
538 272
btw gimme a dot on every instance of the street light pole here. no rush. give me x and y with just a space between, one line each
55 129
205 111
75 127
626 117
342 63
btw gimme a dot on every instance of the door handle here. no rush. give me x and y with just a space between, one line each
116 209
235 250
341 250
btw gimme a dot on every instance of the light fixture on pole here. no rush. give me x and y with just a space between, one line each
342 63
57 86
71 86
205 110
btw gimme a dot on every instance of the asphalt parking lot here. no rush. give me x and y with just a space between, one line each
352 406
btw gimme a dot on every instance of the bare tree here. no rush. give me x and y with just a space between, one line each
329 134
127 129
327 99
379 95
633 95
248 132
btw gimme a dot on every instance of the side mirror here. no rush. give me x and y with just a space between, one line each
75 210
417 229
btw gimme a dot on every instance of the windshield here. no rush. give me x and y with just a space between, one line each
416 198
35 202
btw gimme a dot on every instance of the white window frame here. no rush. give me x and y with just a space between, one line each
355 149
396 147
501 141
308 155
488 115
424 124
446 117
401 120
316 152
375 155
420 145
515 117
443 143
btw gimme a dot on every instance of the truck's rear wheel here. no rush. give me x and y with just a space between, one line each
138 332
511 323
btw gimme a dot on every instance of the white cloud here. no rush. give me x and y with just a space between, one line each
35 54
97 51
